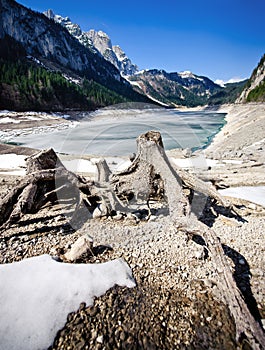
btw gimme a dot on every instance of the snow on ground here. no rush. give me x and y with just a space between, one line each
89 166
195 162
7 120
232 161
38 293
80 165
252 194
117 163
12 161
13 164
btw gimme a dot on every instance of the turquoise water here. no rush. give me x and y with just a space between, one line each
114 132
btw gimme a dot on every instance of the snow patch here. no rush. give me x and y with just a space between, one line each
80 165
155 100
38 293
12 161
222 83
195 162
186 74
255 194
12 164
232 161
8 120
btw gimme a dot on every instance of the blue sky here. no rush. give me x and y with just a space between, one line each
221 39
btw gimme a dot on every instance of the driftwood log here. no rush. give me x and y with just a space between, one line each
150 176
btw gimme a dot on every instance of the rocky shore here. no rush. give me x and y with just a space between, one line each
176 303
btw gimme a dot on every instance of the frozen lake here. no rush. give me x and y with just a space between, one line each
114 131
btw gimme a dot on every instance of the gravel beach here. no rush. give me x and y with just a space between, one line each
176 304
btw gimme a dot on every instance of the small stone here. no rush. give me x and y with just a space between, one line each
53 252
99 339
122 336
257 272
118 216
187 153
132 157
100 211
209 283
199 255
252 206
263 323
133 217
83 245
185 275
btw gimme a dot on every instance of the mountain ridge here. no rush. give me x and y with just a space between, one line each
56 50
174 89
97 41
88 59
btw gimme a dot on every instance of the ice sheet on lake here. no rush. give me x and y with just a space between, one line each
37 294
114 132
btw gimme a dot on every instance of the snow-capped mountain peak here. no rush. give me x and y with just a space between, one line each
102 34
187 74
98 42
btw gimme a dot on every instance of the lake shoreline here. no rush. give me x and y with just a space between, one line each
110 132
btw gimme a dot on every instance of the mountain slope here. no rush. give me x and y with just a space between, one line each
98 42
229 94
255 87
51 45
25 84
174 89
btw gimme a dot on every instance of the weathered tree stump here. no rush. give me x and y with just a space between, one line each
149 176
151 160
152 174
41 184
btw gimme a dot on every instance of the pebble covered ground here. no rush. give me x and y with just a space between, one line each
175 304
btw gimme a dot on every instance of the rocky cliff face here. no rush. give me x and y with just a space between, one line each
98 42
255 88
184 88
73 29
113 54
102 43
125 64
42 38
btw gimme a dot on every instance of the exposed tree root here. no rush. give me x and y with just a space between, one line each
150 176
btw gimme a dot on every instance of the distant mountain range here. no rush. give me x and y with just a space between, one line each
48 63
174 89
167 89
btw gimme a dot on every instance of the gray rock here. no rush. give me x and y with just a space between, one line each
100 211
83 245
